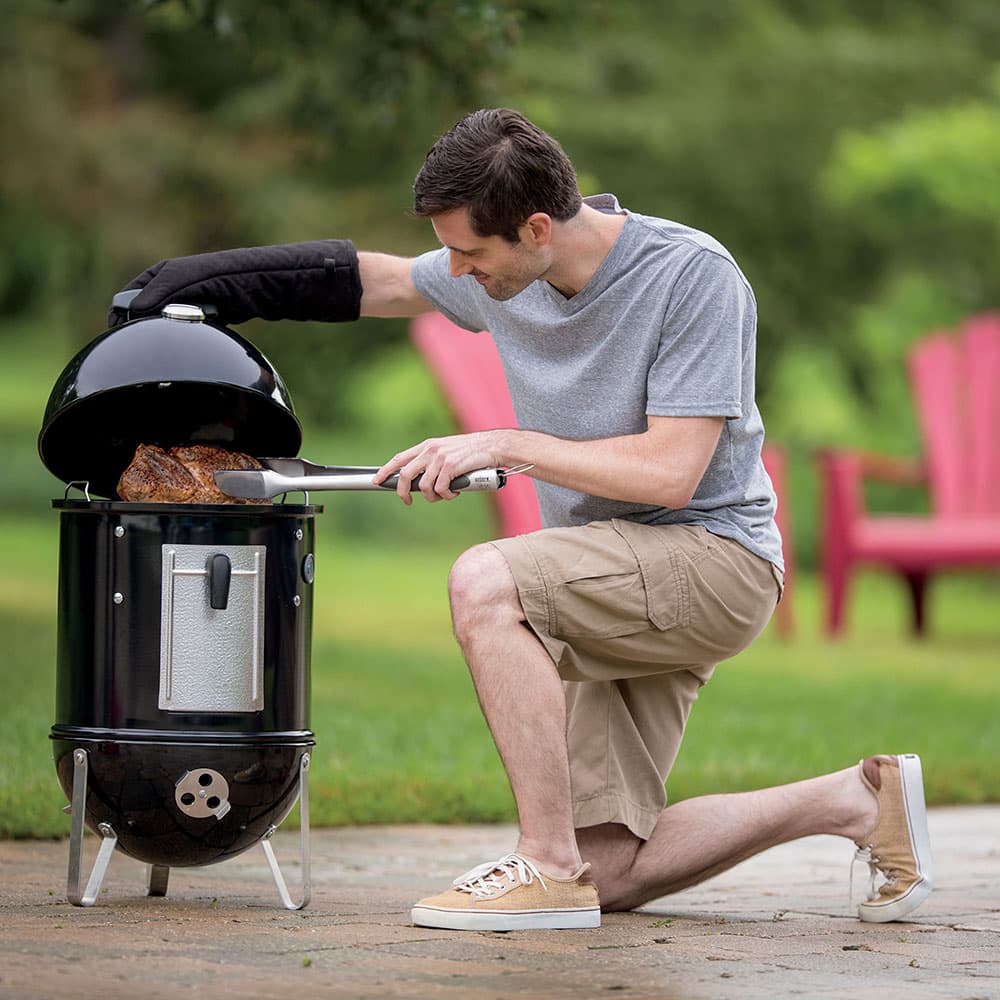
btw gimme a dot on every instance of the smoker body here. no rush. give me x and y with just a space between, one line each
182 720
195 718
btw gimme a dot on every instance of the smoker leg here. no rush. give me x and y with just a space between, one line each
272 862
157 877
89 896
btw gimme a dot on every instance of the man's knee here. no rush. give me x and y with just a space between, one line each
481 586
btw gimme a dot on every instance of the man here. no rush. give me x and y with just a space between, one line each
628 344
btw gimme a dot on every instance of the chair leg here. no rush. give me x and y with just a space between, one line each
837 574
916 582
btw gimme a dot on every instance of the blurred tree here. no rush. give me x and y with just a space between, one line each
148 129
725 115
924 188
143 129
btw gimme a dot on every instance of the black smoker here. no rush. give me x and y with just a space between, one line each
182 717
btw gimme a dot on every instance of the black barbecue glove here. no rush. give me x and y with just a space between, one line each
318 280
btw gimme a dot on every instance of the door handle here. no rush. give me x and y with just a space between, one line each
220 571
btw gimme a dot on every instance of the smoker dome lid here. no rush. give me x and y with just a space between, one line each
169 380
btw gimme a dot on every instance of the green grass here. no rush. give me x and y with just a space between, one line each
400 738
399 735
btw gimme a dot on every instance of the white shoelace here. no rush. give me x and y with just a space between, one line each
495 876
865 854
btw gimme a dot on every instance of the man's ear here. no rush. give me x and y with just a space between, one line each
536 230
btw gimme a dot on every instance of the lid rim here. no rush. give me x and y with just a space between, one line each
99 506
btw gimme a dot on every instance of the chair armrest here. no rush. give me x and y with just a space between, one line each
890 469
842 496
842 477
849 465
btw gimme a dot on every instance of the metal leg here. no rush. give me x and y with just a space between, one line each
157 877
272 862
89 896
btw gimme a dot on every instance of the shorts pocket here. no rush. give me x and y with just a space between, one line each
663 573
628 580
600 607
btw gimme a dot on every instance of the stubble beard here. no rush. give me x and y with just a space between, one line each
501 288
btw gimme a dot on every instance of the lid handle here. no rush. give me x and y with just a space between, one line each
123 300
122 303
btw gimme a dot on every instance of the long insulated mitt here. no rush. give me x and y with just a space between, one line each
317 280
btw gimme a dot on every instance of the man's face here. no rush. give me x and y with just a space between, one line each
503 269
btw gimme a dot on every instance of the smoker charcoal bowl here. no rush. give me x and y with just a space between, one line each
157 875
132 788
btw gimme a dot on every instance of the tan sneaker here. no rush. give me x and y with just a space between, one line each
509 895
899 847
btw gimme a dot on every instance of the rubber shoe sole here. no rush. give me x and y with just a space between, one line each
505 920
912 783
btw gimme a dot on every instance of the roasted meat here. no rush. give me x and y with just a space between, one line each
202 461
180 475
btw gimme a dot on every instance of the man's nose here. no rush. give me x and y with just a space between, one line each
459 265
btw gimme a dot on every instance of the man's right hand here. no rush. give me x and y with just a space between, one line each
318 280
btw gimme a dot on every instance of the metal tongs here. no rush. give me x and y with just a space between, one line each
293 475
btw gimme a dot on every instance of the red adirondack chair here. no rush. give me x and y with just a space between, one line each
468 369
956 389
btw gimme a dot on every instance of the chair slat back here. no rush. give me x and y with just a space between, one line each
956 388
981 337
938 378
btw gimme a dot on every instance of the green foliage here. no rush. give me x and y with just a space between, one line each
929 167
152 130
923 189
926 188
725 116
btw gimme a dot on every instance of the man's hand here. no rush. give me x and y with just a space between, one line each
317 280
661 466
441 460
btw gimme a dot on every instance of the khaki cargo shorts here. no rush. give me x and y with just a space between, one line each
635 618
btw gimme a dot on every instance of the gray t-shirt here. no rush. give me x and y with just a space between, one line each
665 327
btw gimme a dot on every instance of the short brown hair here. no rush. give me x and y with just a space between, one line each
502 168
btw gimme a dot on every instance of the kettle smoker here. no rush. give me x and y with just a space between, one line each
182 732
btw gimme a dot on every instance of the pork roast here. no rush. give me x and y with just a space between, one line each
181 475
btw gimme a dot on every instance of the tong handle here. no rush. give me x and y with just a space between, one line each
481 479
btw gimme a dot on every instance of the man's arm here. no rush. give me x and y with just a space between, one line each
325 280
661 466
387 287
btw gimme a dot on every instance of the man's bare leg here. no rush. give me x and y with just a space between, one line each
522 699
701 837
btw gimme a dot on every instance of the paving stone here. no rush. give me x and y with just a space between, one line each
779 925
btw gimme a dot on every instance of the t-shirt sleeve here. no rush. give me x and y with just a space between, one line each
454 297
699 365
